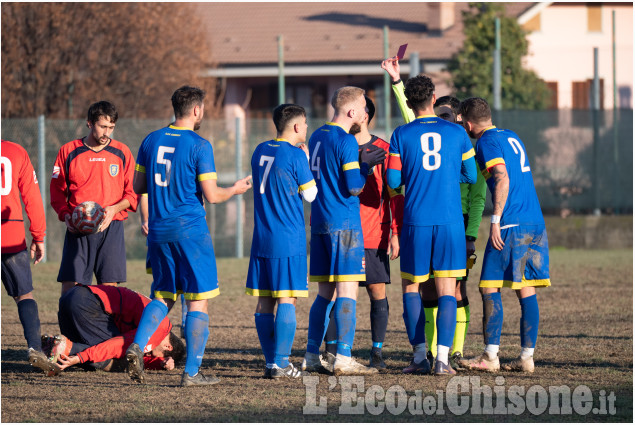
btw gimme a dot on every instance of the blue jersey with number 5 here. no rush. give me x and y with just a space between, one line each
431 151
280 172
498 146
174 160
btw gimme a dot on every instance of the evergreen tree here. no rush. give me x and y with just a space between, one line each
472 66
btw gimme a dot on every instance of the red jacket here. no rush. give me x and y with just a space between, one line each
81 174
19 182
381 208
126 307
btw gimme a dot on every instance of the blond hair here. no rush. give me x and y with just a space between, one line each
344 96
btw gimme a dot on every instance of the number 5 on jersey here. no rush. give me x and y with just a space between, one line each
161 159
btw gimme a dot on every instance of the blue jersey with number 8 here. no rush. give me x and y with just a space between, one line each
175 160
498 146
431 151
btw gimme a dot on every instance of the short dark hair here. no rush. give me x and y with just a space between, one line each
371 108
475 109
285 113
185 98
178 349
419 91
102 109
453 102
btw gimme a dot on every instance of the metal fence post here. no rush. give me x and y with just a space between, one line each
41 158
239 198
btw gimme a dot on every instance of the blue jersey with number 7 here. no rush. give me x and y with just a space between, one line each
498 146
175 160
280 172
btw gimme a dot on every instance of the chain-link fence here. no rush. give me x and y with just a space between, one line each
578 167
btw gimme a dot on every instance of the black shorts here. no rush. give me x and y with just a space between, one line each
377 266
82 317
16 273
102 253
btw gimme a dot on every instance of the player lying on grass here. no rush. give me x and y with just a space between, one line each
98 323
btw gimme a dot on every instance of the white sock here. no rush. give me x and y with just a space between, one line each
442 353
419 352
270 365
492 351
526 352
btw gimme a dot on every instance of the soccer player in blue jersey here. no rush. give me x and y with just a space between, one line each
337 243
278 266
517 253
175 167
430 157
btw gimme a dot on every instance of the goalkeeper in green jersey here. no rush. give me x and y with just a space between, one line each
473 202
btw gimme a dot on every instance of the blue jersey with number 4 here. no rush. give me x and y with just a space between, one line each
280 172
333 153
498 146
431 152
174 160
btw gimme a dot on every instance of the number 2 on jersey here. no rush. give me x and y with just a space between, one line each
267 161
516 144
168 164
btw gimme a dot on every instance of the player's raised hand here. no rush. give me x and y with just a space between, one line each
305 149
391 66
372 156
37 251
242 185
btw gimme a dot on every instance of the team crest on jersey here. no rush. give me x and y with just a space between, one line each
56 172
114 169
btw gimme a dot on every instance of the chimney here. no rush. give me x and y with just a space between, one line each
441 16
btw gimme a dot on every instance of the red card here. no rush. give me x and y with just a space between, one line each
402 51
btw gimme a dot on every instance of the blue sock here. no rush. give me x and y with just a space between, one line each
492 318
378 321
27 311
183 311
151 317
446 320
529 321
318 321
330 337
414 317
196 334
266 335
285 333
345 319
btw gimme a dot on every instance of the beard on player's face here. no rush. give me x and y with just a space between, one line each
355 128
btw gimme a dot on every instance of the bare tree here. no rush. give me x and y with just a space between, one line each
133 54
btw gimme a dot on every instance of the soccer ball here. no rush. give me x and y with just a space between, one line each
87 217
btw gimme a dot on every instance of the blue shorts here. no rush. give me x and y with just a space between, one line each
524 260
16 273
338 257
277 277
185 267
425 248
103 254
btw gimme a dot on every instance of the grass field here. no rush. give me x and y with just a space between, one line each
585 339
